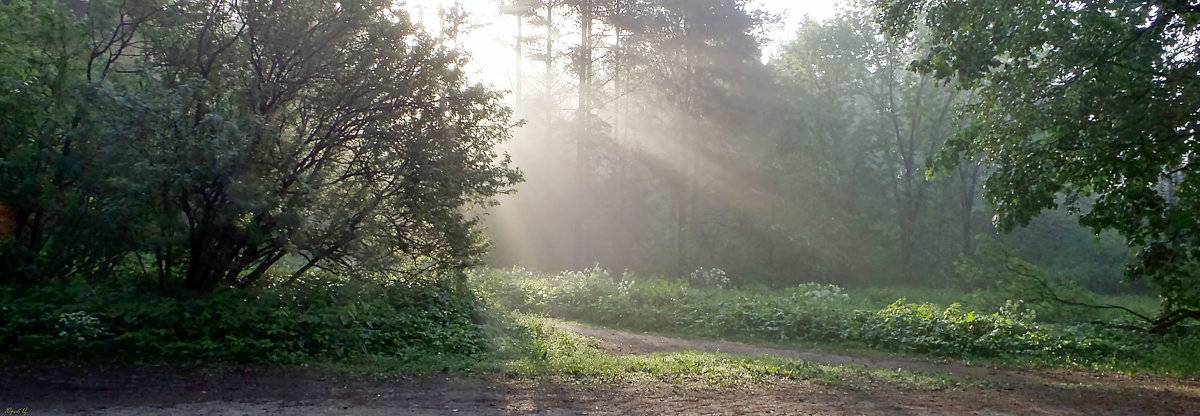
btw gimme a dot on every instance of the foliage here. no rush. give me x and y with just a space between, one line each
1056 243
997 274
856 131
817 292
208 140
824 315
709 278
1085 105
324 319
65 210
925 328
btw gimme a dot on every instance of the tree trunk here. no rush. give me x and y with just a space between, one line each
971 183
583 216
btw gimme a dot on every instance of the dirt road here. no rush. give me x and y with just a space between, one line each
44 390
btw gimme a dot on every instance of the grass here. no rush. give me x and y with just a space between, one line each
532 348
826 318
385 332
359 330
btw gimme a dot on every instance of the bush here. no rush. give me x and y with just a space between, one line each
713 277
924 328
324 319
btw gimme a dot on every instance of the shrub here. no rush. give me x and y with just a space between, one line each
323 319
924 328
713 277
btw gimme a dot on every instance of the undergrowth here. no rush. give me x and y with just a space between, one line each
323 319
825 314
365 328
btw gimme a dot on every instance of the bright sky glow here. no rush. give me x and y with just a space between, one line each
793 12
492 40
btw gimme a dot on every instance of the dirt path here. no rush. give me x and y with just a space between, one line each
1013 391
623 343
273 391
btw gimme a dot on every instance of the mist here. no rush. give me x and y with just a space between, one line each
651 163
599 207
658 141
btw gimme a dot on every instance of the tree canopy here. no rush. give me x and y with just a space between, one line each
205 141
1086 105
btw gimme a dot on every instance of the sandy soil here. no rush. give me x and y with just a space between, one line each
101 390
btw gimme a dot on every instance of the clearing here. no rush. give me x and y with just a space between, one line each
99 390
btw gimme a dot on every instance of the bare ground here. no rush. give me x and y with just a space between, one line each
99 390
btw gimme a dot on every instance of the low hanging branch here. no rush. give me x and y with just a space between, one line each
1054 296
1165 320
1171 318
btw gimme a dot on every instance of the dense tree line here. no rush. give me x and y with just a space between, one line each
1084 106
645 170
686 151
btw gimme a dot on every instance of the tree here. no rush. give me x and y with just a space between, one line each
857 134
238 132
654 84
64 212
704 63
1084 105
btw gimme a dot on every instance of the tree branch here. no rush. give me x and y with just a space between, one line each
1054 296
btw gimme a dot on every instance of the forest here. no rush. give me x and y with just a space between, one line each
902 196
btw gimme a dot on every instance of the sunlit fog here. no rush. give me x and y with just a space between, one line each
599 207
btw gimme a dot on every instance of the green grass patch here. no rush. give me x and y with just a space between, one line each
532 348
827 316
